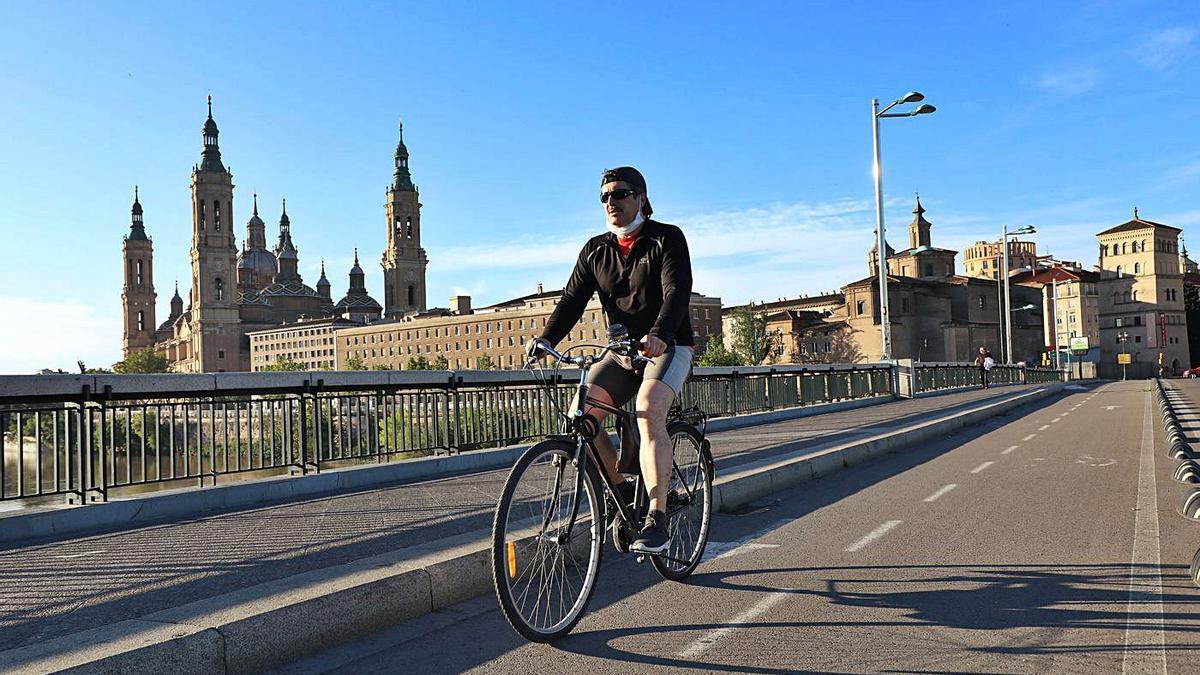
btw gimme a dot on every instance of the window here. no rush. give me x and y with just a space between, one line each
408 230
862 307
220 353
412 296
139 273
1119 270
1137 268
141 320
220 288
217 215
202 223
1137 338
1137 320
1134 296
1103 250
983 302
928 269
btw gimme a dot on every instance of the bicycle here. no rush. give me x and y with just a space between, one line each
550 521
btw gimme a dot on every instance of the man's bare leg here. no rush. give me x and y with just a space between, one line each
654 400
604 446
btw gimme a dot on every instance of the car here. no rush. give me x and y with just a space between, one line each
1191 373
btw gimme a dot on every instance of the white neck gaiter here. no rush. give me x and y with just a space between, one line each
630 229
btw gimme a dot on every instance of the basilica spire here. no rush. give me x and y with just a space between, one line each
285 251
401 178
137 229
210 157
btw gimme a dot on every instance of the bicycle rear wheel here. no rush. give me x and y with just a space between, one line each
544 568
689 503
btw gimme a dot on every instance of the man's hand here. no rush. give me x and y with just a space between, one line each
533 349
652 346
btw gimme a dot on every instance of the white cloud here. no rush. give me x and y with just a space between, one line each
1188 173
56 334
1166 48
1070 81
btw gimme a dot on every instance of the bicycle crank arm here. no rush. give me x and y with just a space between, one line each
662 556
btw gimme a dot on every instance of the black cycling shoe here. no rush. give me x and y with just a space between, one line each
624 491
653 538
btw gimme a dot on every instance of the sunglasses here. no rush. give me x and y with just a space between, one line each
618 194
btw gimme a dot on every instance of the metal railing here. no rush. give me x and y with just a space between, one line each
82 436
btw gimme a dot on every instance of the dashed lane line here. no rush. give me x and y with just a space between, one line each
941 491
1009 449
1030 437
875 534
699 646
1055 420
1044 427
981 467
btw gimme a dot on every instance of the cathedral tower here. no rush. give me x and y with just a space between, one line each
137 296
918 229
215 330
404 260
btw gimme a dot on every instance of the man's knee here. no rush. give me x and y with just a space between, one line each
653 401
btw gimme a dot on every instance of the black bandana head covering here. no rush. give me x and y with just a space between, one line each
630 175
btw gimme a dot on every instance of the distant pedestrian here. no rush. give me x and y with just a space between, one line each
985 363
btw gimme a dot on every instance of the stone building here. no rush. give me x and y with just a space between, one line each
235 291
463 335
936 315
308 342
985 258
1071 308
1141 296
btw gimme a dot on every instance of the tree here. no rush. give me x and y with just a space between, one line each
417 363
381 366
284 365
484 363
355 363
715 354
440 363
142 361
749 336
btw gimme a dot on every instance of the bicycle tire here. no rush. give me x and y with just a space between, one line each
521 542
687 544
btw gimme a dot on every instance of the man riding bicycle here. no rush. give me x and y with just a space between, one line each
643 273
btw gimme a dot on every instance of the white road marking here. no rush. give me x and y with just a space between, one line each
717 550
1056 420
78 555
877 533
1068 412
1029 437
1111 407
981 467
1009 449
1144 653
941 491
699 646
1044 427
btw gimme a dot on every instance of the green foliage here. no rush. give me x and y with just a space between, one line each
484 363
142 361
417 363
355 363
440 363
381 366
284 365
715 354
749 336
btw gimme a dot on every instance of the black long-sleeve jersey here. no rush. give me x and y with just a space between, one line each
648 291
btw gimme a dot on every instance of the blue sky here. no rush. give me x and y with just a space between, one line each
750 121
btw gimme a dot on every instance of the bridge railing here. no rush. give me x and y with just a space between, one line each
82 436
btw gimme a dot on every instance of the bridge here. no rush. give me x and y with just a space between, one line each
872 518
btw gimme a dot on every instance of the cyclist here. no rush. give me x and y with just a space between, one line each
643 273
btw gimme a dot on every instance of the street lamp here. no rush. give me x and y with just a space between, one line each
1122 338
1027 229
885 325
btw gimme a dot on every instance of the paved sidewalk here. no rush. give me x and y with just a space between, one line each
52 589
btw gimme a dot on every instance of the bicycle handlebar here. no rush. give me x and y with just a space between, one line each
624 347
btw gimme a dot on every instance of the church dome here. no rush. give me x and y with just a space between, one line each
260 261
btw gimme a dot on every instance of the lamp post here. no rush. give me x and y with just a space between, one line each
885 326
1122 338
1027 229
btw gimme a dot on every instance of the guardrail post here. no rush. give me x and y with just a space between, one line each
457 410
770 385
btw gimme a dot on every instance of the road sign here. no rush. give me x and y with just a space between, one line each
1124 359
1079 344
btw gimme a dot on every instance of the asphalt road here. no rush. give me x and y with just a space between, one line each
1043 541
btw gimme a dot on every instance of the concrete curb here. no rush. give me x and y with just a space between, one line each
169 505
277 622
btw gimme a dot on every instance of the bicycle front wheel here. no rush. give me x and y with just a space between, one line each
546 540
689 503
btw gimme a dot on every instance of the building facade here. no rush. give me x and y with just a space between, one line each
1071 309
463 336
985 258
309 343
1141 299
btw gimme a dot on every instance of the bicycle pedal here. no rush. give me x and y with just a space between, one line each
641 558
